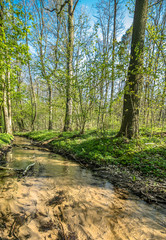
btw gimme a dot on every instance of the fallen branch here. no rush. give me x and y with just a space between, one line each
28 168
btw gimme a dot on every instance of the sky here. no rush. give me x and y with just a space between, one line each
90 6
91 10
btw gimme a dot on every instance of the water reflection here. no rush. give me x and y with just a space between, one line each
61 200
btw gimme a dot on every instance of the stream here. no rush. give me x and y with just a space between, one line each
59 199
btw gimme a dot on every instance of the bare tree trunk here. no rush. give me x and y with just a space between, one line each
2 78
68 116
5 78
113 57
33 100
131 104
163 99
20 119
33 95
5 108
9 104
50 123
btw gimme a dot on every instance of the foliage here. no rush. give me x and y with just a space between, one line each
38 84
5 139
146 155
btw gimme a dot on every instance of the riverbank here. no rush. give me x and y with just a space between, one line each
5 143
59 199
138 165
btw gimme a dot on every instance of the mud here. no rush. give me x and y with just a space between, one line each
59 199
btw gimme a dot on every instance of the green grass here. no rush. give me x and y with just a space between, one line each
5 139
146 154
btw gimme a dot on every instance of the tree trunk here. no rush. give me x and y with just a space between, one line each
162 107
5 79
113 57
68 116
5 109
33 95
1 63
20 118
9 104
33 99
131 104
50 125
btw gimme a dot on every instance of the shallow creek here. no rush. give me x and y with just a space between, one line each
58 199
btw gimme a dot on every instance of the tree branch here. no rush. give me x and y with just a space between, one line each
55 9
50 10
159 1
75 6
62 6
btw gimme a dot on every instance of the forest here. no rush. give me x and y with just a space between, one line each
61 71
69 74
82 119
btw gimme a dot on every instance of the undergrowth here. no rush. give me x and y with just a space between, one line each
5 139
146 154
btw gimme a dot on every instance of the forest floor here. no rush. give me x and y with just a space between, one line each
138 165
5 143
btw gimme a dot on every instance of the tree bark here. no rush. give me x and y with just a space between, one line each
20 118
1 61
131 104
33 95
50 124
163 99
68 115
33 99
5 78
9 104
113 57
5 108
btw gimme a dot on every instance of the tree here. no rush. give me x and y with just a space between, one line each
32 90
113 54
131 103
68 115
70 13
12 49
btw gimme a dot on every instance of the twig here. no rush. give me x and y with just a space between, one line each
159 1
19 170
28 168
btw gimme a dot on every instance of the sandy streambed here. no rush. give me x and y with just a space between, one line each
58 199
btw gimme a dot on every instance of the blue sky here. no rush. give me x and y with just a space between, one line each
90 4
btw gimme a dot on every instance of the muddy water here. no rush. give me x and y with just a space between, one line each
58 199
